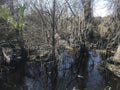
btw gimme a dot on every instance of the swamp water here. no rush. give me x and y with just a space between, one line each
34 77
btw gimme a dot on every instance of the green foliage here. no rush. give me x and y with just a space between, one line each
4 13
16 23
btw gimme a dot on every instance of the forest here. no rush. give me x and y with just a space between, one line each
59 45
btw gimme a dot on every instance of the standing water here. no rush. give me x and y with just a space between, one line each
95 80
38 77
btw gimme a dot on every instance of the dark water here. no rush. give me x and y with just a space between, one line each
38 77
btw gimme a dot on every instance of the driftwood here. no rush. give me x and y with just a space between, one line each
6 57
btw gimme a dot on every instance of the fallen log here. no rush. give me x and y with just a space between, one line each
114 69
113 62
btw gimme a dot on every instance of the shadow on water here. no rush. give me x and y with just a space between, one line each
39 77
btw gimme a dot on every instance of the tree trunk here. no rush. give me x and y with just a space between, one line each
53 29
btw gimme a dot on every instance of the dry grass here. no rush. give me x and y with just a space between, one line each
117 55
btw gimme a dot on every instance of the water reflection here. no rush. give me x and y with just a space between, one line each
38 77
95 80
